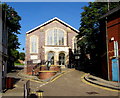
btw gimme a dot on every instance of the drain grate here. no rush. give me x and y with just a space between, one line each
92 93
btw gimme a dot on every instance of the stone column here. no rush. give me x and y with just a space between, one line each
56 58
66 59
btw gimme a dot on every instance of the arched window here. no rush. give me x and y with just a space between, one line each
34 44
55 36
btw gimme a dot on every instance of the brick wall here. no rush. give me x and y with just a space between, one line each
41 39
113 29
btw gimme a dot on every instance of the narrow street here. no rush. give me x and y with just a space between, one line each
68 84
71 84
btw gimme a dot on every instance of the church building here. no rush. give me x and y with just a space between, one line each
52 41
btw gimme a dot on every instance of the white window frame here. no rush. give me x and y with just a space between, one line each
36 37
53 43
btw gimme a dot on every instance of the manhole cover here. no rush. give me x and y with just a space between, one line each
92 93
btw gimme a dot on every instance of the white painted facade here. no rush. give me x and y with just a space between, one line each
57 51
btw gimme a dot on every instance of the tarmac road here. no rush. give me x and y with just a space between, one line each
71 84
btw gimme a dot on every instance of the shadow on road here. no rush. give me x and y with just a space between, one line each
33 96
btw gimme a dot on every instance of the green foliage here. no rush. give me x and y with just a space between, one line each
18 63
13 27
22 56
15 54
89 29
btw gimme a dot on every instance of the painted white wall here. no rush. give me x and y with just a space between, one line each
56 51
33 57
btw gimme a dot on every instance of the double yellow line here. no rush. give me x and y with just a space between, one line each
53 78
105 88
39 94
61 75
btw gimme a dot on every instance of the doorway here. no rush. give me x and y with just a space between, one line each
61 59
115 69
51 58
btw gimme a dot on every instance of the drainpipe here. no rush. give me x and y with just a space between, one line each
107 47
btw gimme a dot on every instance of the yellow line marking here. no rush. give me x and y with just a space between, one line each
64 72
56 77
39 94
83 80
61 75
33 92
15 85
52 79
38 81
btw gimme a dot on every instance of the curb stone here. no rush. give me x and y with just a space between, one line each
37 79
101 82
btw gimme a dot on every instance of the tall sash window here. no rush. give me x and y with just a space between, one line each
34 44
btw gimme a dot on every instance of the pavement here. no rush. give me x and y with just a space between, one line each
73 84
101 82
69 82
87 77
35 78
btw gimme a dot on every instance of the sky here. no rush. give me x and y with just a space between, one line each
36 13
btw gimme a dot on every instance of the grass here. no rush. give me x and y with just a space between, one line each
18 64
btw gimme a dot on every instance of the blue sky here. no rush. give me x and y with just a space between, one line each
34 14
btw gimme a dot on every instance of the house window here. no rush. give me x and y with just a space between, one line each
33 44
55 37
75 46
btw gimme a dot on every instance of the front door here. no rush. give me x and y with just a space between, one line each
115 71
51 58
61 59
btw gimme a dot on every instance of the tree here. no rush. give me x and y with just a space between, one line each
13 26
88 38
15 55
22 56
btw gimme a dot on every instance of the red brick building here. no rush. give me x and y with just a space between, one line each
110 38
50 41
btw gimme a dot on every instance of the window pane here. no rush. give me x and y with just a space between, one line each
33 44
48 38
61 37
55 37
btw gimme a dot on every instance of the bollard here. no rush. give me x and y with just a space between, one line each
39 94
